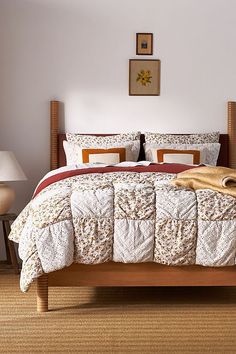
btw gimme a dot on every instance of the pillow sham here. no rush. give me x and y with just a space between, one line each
187 157
90 140
208 152
108 154
182 139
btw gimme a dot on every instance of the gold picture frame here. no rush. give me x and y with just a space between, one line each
144 77
144 43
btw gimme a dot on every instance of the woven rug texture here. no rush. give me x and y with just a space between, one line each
118 320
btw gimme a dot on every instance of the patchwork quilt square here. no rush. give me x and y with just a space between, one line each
133 241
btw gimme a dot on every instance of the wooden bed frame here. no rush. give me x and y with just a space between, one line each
138 274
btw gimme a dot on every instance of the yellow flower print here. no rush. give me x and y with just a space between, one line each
144 77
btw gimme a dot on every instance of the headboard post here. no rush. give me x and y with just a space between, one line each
54 128
232 133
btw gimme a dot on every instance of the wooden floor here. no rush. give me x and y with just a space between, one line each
118 320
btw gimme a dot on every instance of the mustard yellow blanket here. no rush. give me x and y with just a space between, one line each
221 179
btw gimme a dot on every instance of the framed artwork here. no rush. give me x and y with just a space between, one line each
144 43
144 77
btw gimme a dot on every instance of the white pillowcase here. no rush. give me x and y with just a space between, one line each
74 152
209 152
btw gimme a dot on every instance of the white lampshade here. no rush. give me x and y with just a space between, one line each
10 169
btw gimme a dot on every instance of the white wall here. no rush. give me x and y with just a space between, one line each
78 50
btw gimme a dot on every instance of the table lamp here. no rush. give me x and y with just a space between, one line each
10 170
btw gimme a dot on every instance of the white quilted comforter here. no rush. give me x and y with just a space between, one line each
124 217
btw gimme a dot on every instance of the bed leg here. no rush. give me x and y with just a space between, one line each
42 293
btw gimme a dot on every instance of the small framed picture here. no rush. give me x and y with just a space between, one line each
144 77
144 43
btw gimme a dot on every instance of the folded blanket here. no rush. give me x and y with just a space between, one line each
220 179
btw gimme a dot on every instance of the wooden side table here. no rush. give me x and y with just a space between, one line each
10 249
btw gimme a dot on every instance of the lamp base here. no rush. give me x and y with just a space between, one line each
7 197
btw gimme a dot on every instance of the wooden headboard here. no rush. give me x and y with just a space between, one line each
227 156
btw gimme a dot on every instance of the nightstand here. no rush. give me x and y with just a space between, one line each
10 249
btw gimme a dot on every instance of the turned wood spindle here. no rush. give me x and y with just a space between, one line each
42 293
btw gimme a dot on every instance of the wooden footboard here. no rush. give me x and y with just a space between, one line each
138 274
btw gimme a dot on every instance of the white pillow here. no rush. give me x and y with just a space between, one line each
208 152
74 153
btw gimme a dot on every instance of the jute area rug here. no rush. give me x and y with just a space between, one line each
118 320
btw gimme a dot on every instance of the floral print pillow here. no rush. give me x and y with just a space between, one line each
90 141
182 139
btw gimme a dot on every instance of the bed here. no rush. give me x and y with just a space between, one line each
135 274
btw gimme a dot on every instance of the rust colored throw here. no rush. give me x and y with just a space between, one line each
153 167
220 179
